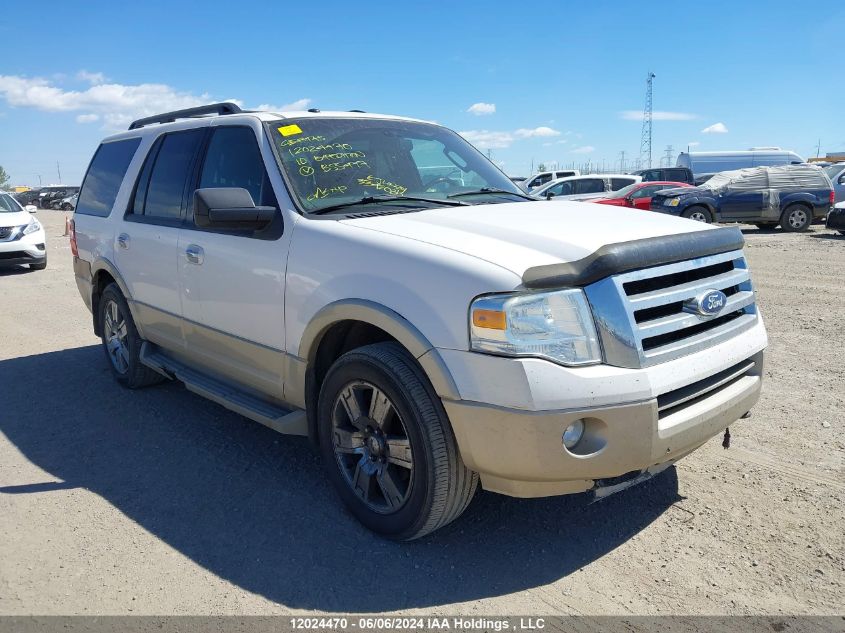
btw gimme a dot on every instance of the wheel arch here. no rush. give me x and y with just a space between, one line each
351 323
103 272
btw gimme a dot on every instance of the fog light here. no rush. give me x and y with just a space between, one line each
573 433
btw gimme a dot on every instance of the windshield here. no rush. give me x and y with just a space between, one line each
333 161
8 204
832 171
624 192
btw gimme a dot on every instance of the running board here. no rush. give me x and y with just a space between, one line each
286 421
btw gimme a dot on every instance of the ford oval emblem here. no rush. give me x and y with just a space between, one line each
708 303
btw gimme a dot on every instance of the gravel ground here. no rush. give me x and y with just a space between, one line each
159 502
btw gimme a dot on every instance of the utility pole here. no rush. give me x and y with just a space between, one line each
668 156
489 154
818 148
622 161
59 169
39 179
645 137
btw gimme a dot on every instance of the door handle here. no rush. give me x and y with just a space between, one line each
194 254
123 241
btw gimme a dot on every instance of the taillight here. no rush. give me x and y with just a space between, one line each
832 196
72 231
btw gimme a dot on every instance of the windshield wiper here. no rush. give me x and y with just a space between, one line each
490 190
378 199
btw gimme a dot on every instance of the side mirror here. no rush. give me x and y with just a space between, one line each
629 201
549 195
230 208
31 208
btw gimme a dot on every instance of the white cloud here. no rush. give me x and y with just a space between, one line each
584 149
116 105
92 78
716 128
485 139
657 115
481 108
299 104
537 131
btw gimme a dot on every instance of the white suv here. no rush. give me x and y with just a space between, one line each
426 328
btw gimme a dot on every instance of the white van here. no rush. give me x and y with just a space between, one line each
545 177
702 163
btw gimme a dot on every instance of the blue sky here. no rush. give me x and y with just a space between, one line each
550 81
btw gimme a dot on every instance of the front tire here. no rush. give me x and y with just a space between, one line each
698 213
121 342
796 218
388 446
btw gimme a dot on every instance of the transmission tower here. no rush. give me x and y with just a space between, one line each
622 161
645 139
668 156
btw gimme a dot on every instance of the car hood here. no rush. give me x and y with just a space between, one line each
521 235
14 219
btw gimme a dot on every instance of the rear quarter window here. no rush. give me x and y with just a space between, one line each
105 174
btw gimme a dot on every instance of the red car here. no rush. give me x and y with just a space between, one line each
637 195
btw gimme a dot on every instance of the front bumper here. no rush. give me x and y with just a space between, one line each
512 414
836 219
29 249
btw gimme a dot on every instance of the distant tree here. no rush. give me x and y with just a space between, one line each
4 179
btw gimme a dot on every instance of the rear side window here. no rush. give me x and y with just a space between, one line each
234 160
619 183
160 192
677 175
590 185
102 182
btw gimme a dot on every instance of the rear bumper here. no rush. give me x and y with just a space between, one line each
520 453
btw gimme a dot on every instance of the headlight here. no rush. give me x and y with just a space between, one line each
555 325
33 226
672 202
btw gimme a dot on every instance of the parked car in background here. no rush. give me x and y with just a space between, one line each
22 238
708 163
47 195
836 173
69 203
545 177
836 218
666 174
30 196
791 195
585 187
519 180
638 195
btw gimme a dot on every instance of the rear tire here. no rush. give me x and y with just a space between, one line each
388 446
698 213
121 342
796 218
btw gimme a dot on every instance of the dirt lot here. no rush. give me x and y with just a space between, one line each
159 502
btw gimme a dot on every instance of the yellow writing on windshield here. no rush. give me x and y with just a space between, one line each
383 185
325 192
338 156
296 141
290 130
354 164
313 149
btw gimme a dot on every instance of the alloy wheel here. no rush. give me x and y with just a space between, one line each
115 332
372 447
698 216
797 218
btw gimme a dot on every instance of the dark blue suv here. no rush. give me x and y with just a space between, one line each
790 195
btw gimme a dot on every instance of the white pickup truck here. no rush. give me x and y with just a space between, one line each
375 283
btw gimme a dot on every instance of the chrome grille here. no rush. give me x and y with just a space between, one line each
641 318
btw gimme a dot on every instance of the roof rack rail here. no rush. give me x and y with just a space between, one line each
225 107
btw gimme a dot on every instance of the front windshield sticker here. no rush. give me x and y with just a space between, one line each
290 130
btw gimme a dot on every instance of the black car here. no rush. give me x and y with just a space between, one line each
836 219
30 196
666 174
790 195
